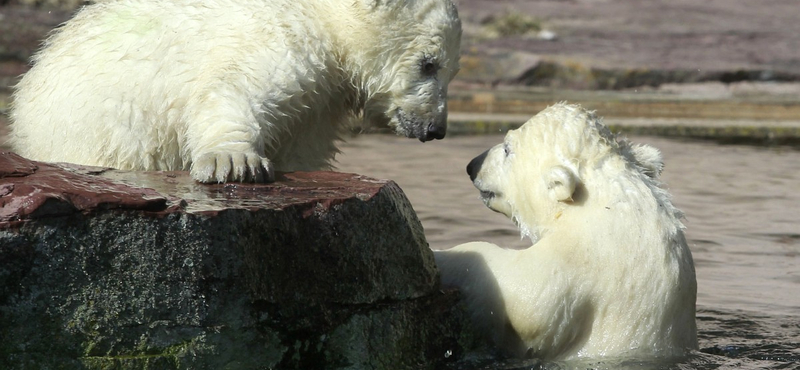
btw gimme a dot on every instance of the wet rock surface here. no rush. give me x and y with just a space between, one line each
110 269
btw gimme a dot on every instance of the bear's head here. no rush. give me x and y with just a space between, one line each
563 157
409 55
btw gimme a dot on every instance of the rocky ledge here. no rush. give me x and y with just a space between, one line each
110 269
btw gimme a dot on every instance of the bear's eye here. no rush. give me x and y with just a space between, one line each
429 66
507 149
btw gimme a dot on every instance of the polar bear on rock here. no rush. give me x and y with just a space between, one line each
609 274
233 90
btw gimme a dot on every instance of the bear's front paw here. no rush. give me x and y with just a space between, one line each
240 167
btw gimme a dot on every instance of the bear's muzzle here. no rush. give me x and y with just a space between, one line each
475 165
435 131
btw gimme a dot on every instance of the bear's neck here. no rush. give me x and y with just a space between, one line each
631 241
623 214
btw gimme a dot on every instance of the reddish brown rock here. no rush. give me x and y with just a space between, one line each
102 268
32 190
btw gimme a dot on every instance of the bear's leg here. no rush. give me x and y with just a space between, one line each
224 139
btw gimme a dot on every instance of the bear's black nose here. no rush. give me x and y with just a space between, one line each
436 131
475 164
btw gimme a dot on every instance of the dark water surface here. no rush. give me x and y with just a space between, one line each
742 206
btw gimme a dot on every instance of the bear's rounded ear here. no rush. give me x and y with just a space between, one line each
649 158
561 183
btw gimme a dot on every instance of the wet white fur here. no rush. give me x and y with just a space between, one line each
609 273
231 89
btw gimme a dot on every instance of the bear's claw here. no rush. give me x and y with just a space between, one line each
239 167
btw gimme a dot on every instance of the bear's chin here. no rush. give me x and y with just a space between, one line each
488 198
496 203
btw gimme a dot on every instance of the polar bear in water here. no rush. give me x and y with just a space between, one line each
609 273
